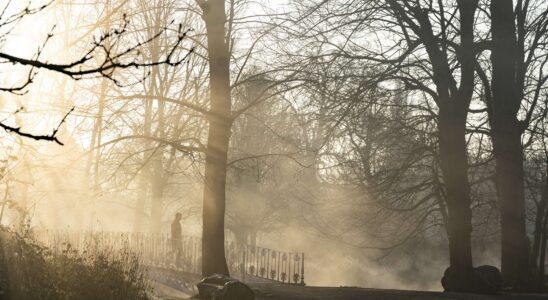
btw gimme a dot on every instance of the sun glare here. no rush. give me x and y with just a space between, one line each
273 149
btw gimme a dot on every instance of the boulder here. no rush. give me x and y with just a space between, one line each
451 282
485 280
221 287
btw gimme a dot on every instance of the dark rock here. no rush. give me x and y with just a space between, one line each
235 290
452 283
220 287
485 280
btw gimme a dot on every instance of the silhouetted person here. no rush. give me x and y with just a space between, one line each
176 236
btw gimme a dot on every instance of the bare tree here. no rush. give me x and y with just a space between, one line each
109 52
429 55
213 248
518 34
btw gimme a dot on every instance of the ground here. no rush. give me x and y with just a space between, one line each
270 291
277 292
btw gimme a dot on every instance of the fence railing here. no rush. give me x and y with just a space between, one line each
184 255
284 267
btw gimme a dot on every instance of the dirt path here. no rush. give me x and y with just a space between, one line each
166 292
279 292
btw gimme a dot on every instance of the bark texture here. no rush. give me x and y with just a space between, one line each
508 150
213 236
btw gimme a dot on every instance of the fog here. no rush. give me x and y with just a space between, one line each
298 127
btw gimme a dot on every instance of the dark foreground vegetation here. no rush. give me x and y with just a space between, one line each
30 271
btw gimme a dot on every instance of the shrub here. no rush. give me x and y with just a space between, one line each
31 271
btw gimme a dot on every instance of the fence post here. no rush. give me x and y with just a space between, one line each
302 271
242 265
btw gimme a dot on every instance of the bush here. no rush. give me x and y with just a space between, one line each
30 271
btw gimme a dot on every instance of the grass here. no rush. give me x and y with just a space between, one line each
31 271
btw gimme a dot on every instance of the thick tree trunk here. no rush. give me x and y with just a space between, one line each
541 223
454 165
515 265
453 112
213 235
508 151
542 260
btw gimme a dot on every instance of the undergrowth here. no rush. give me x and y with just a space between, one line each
30 271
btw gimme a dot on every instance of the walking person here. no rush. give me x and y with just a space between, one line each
177 238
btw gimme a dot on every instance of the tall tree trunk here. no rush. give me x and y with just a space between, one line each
539 228
158 184
96 136
94 155
541 235
542 256
213 235
157 191
97 132
507 147
454 165
453 97
139 211
156 88
144 173
453 111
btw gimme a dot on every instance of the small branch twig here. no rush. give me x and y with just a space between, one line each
51 137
